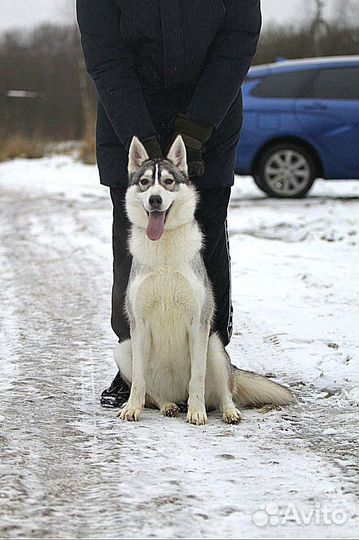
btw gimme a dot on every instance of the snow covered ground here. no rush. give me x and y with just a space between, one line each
70 469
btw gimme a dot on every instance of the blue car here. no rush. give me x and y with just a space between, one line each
301 122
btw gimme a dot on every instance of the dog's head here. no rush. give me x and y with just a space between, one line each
160 196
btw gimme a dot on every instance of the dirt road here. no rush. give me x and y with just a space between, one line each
70 469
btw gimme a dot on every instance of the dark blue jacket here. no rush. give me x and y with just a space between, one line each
150 59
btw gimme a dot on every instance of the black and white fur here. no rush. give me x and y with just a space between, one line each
172 356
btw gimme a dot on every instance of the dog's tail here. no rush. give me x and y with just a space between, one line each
251 390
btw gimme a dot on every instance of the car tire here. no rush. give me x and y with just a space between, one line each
286 171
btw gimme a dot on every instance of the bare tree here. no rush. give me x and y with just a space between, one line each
67 8
44 62
319 27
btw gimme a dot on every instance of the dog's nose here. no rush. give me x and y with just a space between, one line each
155 201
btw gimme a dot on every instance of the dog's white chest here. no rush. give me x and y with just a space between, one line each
167 300
165 292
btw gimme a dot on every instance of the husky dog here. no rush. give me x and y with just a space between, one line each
173 356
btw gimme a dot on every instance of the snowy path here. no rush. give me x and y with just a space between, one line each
69 469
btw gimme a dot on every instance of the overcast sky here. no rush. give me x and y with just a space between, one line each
25 13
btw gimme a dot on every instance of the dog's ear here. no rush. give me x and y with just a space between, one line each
136 155
178 155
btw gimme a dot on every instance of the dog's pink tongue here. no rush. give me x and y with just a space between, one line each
156 225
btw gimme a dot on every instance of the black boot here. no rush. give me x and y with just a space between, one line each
117 394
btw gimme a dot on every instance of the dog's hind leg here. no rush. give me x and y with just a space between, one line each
218 381
140 347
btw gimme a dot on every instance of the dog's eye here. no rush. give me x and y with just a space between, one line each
169 181
144 181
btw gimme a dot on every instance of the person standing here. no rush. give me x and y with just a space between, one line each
163 68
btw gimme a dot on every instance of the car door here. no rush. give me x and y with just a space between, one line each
328 112
269 109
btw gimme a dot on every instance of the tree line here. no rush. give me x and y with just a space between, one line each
46 95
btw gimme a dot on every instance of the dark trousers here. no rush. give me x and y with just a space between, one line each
211 215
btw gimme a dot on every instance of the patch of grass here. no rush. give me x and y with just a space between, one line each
18 146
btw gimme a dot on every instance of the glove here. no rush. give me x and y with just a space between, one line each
153 148
194 137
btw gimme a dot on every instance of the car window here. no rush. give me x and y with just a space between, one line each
282 85
337 83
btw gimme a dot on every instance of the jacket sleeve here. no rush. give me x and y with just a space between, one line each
228 62
110 63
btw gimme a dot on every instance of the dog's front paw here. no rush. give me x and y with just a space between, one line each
197 416
131 413
232 416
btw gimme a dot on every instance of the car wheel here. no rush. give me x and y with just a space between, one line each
286 170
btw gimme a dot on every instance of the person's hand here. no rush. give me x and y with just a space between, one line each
194 137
